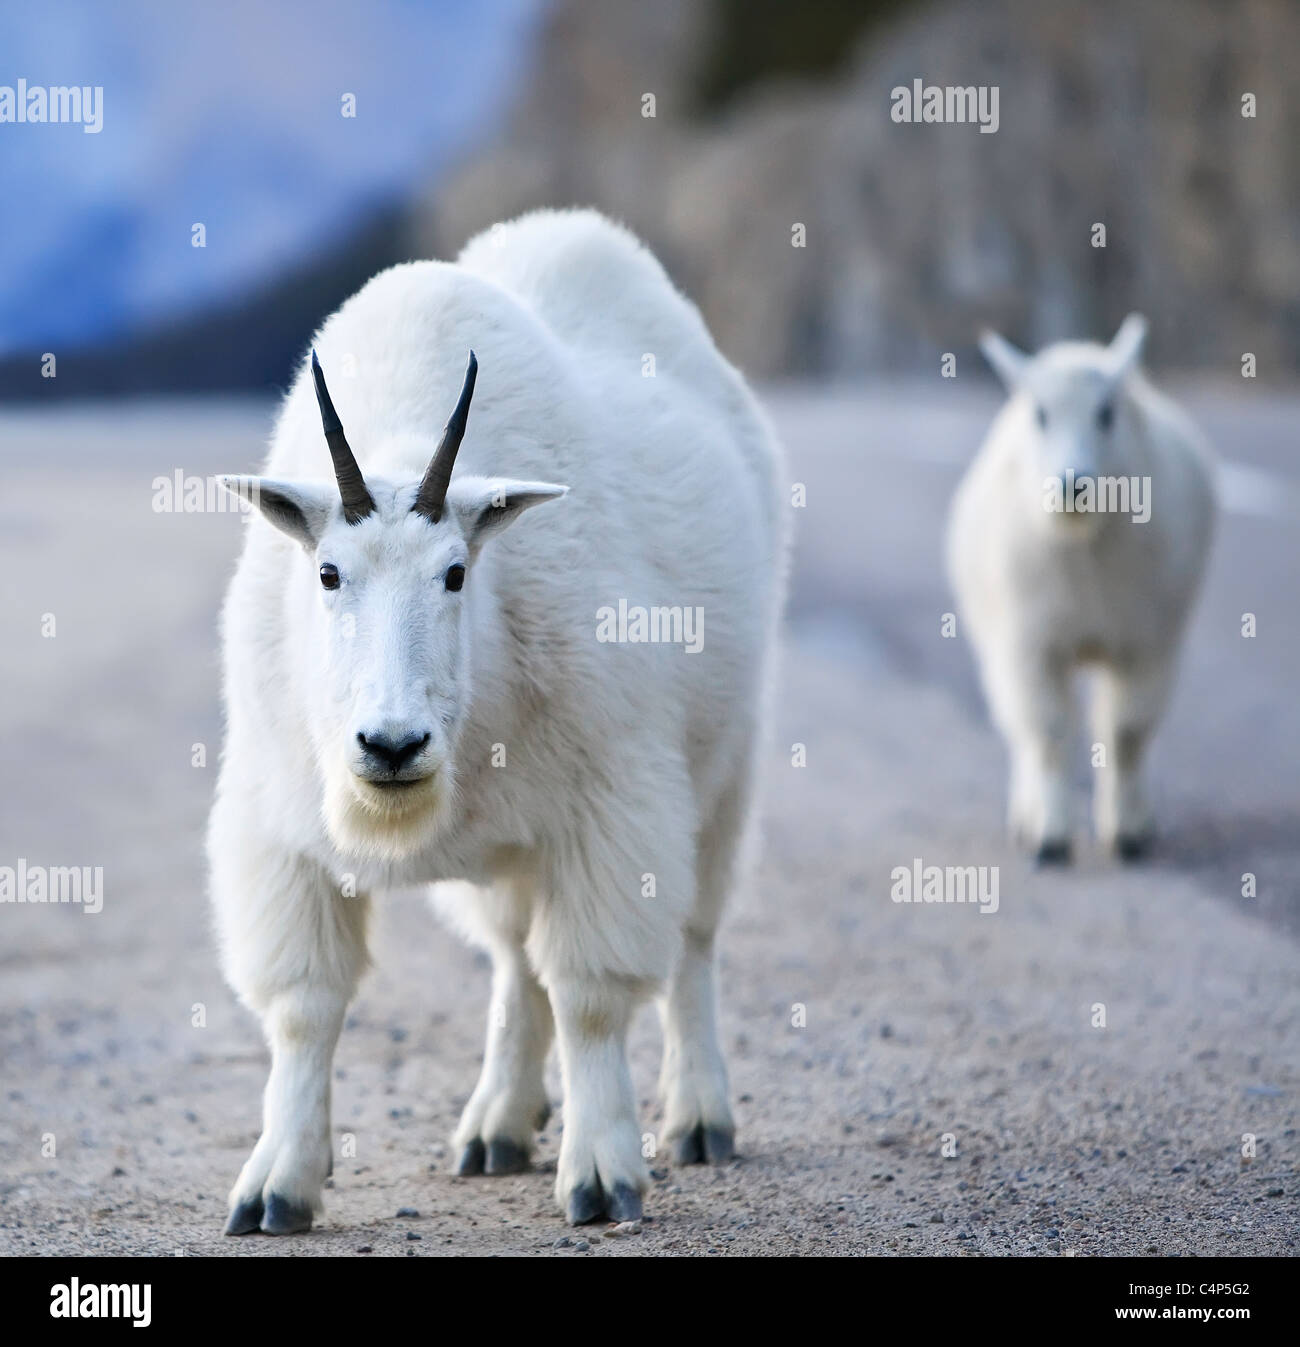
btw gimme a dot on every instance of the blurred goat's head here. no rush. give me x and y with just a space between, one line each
1072 415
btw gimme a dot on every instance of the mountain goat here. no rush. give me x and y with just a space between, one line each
1078 537
416 696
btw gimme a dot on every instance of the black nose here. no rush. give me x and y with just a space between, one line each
393 753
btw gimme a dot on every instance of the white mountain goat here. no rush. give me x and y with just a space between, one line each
413 699
1078 537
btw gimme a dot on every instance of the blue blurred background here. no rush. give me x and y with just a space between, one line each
230 116
766 115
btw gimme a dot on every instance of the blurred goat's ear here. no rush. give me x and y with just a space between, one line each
1126 346
1008 362
300 509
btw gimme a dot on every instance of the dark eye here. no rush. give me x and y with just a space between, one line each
1105 415
1042 417
329 575
455 577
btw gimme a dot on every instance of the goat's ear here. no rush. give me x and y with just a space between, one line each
486 505
1125 349
300 509
1008 361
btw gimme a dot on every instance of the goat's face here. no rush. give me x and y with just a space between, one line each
1072 421
386 642
388 582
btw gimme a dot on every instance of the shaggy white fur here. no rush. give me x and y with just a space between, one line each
577 802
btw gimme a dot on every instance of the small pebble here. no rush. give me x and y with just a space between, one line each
365 1248
407 1211
410 1234
623 1229
581 1245
562 1243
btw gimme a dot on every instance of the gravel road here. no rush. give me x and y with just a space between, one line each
861 1033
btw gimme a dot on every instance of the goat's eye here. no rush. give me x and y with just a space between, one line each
1042 417
329 575
1105 415
455 577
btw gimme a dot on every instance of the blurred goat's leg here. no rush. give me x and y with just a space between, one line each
1030 697
1128 706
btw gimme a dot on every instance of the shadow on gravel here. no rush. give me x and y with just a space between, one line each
1221 849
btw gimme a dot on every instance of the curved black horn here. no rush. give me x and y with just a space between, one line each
357 501
437 476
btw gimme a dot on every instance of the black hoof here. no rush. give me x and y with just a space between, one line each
1053 853
471 1159
283 1217
245 1219
505 1157
1130 849
624 1203
589 1202
705 1145
586 1203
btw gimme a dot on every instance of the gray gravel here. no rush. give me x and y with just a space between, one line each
917 1022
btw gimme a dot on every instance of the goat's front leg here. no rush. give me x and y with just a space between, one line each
279 1188
1029 695
1129 702
601 1173
293 948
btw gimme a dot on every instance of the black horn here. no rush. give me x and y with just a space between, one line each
437 476
357 501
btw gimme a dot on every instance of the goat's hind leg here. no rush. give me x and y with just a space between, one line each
693 1077
509 1104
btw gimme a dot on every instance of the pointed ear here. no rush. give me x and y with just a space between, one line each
1125 349
486 505
300 509
1008 361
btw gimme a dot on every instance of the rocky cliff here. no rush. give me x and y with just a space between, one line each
1122 114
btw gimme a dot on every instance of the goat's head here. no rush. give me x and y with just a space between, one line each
386 630
1072 417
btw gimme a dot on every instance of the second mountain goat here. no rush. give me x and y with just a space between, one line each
1078 538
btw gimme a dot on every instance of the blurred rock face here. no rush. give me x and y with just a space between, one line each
1111 113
